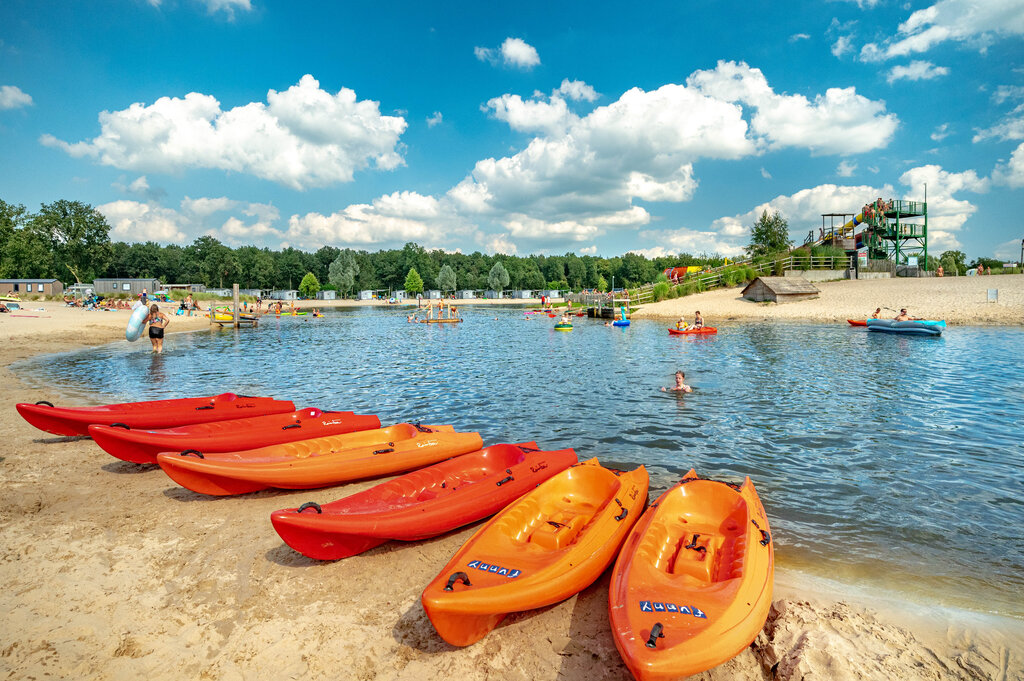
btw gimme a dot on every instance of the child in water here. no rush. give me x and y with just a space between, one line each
679 387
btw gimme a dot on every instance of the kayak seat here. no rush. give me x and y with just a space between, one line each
696 554
520 520
558 531
730 557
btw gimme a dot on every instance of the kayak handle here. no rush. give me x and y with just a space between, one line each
656 630
205 406
456 577
293 425
625 511
527 450
765 537
192 451
693 544
310 504
422 429
120 425
384 451
48 404
506 479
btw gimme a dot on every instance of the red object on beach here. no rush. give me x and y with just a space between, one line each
857 322
693 332
154 414
142 446
421 504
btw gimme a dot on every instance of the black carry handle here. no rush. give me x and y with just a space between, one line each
625 511
656 630
48 404
422 429
120 425
292 425
207 406
506 479
455 578
192 451
310 504
384 451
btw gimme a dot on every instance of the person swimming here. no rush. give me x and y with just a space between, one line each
680 386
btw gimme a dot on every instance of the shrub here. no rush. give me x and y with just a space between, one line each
661 290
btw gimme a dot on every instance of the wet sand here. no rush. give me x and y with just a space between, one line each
110 571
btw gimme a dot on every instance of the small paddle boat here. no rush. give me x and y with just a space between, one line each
913 327
692 332
857 322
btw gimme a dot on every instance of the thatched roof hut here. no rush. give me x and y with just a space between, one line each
780 289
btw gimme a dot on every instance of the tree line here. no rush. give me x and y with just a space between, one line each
70 241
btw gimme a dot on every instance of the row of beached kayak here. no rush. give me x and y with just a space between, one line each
692 579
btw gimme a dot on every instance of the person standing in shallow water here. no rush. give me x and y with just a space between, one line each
158 321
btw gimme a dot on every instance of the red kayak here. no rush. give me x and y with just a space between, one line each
857 322
142 446
692 332
421 504
156 414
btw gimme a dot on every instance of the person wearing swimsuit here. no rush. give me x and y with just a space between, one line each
158 321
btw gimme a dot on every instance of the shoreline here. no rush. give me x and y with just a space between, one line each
959 300
146 578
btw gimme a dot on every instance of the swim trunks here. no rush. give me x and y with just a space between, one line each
156 332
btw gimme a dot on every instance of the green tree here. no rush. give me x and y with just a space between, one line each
446 278
26 255
11 218
953 262
78 237
413 282
498 278
309 286
769 234
343 271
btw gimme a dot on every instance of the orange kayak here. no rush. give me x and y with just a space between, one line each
857 322
317 462
543 548
693 584
421 504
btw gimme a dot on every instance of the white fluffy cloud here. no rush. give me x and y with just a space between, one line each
134 221
394 218
685 240
838 122
916 70
514 52
302 137
974 22
1011 174
11 97
946 215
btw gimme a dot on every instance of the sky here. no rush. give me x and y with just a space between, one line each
520 128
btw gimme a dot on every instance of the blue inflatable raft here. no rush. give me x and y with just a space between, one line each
916 327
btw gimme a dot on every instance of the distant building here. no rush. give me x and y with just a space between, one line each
433 294
466 294
522 294
550 293
400 294
49 287
327 294
125 285
291 294
780 289
492 294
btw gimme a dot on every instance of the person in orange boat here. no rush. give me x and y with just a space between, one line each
680 386
698 321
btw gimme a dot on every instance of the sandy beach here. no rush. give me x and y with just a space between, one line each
110 571
958 300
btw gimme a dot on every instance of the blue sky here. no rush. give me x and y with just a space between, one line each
519 128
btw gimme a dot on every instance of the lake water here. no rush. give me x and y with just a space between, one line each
885 461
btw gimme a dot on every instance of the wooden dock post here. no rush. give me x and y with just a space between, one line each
234 293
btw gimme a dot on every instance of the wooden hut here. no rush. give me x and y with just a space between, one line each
780 289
